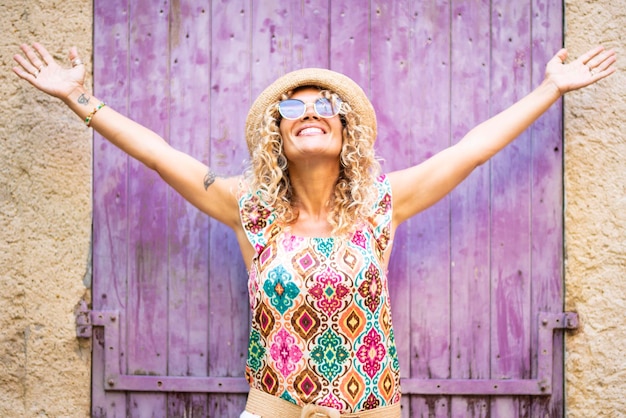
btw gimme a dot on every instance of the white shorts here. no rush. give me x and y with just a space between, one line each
246 414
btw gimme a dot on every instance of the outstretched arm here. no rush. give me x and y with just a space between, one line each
188 176
419 187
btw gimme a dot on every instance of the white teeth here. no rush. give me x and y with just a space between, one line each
311 131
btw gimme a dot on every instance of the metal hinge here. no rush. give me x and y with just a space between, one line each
116 381
83 320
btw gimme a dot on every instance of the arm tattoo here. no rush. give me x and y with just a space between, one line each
209 178
82 99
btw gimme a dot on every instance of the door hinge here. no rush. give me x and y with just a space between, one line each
83 320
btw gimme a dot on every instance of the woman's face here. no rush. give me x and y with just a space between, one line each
311 136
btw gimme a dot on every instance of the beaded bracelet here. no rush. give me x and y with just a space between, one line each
93 112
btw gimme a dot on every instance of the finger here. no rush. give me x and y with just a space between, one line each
73 53
33 58
586 57
562 55
25 64
606 63
604 73
22 73
45 55
601 62
608 57
74 57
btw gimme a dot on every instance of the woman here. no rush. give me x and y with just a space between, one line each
315 221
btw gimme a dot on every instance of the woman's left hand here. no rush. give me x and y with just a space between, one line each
590 67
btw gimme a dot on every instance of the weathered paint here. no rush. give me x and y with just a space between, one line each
110 195
468 276
469 216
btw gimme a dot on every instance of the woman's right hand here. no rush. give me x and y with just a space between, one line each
39 68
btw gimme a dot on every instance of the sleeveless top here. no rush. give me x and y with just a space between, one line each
321 320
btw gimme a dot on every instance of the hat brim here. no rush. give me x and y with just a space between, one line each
348 90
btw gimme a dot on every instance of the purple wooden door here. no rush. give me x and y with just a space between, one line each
476 280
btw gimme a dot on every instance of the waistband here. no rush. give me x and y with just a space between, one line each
269 406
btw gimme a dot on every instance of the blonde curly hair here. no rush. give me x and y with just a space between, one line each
355 192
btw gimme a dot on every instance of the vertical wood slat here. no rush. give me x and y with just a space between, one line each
110 193
148 202
510 207
310 35
281 43
270 43
469 207
430 236
547 202
350 41
188 262
228 299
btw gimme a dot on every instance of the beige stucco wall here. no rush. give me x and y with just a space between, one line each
45 221
45 178
595 218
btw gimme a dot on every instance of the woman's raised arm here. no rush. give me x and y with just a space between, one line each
419 187
188 176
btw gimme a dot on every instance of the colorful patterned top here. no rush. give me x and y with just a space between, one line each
321 320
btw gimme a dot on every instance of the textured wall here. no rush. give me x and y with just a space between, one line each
595 218
45 177
45 221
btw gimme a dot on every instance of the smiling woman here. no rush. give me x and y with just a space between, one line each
315 221
270 135
312 146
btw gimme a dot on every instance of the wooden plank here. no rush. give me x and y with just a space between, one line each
310 35
228 297
350 41
430 242
547 202
188 243
280 43
469 206
147 211
270 43
392 72
110 193
510 223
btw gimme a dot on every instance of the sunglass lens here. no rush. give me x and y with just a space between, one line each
325 107
291 109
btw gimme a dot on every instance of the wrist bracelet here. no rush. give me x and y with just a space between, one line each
93 112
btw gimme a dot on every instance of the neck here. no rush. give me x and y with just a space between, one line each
313 186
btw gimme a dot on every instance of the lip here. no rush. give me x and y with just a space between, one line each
313 126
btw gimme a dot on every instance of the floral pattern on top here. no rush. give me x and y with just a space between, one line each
321 320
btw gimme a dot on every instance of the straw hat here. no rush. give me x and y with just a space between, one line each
345 87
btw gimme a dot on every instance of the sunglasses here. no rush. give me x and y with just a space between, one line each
294 109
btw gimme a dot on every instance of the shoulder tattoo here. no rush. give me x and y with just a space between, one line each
209 179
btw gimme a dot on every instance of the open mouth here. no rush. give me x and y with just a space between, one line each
309 131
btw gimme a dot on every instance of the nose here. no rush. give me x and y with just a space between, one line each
309 111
